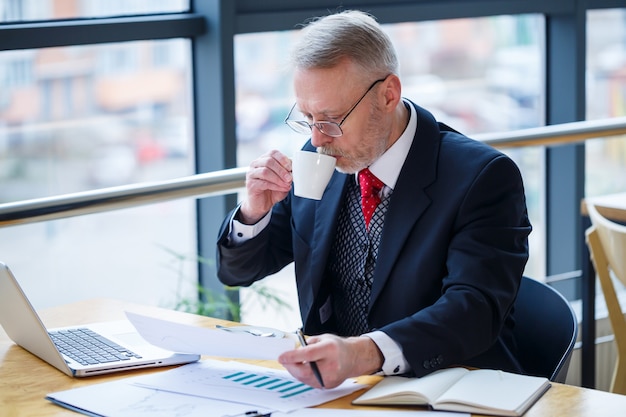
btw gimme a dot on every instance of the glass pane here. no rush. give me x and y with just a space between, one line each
88 117
477 75
77 118
131 254
606 97
28 10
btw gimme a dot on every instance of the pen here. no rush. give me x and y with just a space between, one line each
314 367
252 413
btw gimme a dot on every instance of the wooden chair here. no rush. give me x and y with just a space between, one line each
545 330
607 247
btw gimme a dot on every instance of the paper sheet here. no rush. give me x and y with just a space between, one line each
239 382
184 338
121 398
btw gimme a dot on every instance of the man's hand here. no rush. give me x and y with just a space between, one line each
337 358
268 181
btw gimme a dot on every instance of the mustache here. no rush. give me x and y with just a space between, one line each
327 150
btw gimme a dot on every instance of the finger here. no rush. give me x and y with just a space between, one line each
276 161
269 174
264 178
311 340
293 357
282 159
303 373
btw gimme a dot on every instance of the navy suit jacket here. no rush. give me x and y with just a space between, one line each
452 252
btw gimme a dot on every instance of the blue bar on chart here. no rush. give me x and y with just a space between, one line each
284 387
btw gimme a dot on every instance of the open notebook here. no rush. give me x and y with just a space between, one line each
480 391
97 348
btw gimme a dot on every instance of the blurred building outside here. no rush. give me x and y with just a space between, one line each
86 117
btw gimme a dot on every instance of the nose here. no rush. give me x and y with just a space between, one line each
318 139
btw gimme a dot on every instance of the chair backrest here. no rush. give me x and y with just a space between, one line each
607 247
545 330
613 239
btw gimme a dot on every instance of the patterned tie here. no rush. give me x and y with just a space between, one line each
370 193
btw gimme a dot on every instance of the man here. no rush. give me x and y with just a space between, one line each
428 281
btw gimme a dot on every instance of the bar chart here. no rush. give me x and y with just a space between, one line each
274 389
284 387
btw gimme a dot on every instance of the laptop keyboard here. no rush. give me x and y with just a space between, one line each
88 347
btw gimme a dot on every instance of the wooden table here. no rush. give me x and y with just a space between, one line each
25 379
611 206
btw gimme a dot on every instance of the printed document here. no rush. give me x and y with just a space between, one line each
249 384
122 398
184 338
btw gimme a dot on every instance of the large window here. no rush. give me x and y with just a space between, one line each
87 117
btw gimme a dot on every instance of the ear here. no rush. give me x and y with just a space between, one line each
392 92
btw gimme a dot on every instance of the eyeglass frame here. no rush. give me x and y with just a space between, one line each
300 124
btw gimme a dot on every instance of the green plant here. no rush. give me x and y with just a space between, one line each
224 304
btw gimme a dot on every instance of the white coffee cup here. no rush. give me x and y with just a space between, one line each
311 173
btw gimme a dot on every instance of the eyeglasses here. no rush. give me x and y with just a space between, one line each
331 129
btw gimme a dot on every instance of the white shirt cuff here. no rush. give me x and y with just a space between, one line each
394 361
240 232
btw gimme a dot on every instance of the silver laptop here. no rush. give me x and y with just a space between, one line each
104 347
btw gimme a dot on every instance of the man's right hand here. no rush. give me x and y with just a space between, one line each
268 181
337 359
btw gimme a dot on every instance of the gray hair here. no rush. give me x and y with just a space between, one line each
352 34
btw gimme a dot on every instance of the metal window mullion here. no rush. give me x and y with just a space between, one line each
565 166
30 35
214 125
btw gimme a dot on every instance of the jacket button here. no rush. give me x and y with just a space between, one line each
426 364
396 369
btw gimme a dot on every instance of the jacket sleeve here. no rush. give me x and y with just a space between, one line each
485 234
265 254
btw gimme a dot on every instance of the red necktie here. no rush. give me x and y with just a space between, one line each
370 193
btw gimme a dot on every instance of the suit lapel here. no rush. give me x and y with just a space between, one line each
409 200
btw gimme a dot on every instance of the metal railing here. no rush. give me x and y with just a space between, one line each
230 180
105 199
